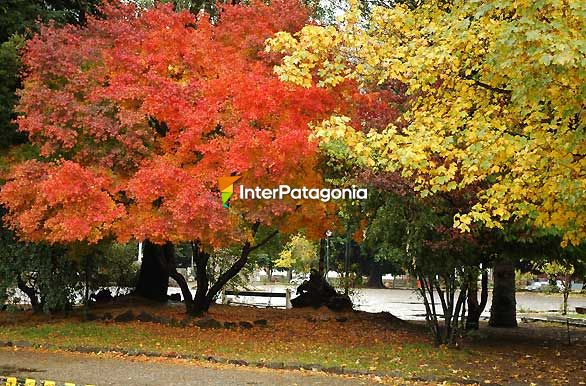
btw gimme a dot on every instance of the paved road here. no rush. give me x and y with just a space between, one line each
402 303
85 369
406 304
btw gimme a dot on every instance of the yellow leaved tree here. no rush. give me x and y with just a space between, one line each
300 254
497 101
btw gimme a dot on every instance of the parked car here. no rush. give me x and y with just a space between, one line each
542 285
537 286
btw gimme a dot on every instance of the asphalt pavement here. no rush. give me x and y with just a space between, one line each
406 303
83 369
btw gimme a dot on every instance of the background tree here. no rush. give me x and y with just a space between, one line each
383 246
562 265
117 267
563 273
41 272
266 257
299 254
18 19
214 8
56 277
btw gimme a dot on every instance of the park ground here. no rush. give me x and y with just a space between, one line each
380 346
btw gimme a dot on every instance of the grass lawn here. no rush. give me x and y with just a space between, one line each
575 315
375 342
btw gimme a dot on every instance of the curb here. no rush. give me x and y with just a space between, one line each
555 319
13 381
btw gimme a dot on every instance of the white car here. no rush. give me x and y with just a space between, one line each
537 286
541 285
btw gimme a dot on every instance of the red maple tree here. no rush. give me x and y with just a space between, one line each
137 115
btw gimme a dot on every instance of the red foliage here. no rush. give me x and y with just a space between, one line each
138 114
43 201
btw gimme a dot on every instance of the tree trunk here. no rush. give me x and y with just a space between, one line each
375 278
503 312
171 263
200 303
455 323
475 309
36 306
205 295
158 265
226 276
472 322
237 266
153 279
322 258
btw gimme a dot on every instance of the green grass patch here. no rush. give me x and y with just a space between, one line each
575 315
408 359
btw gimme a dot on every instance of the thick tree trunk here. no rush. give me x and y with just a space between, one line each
36 306
200 301
503 312
375 277
475 308
153 279
158 265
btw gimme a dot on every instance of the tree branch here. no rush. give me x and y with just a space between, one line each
489 87
266 240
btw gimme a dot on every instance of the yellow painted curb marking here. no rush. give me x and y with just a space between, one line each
12 381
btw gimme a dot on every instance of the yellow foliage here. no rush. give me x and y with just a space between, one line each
497 96
299 254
